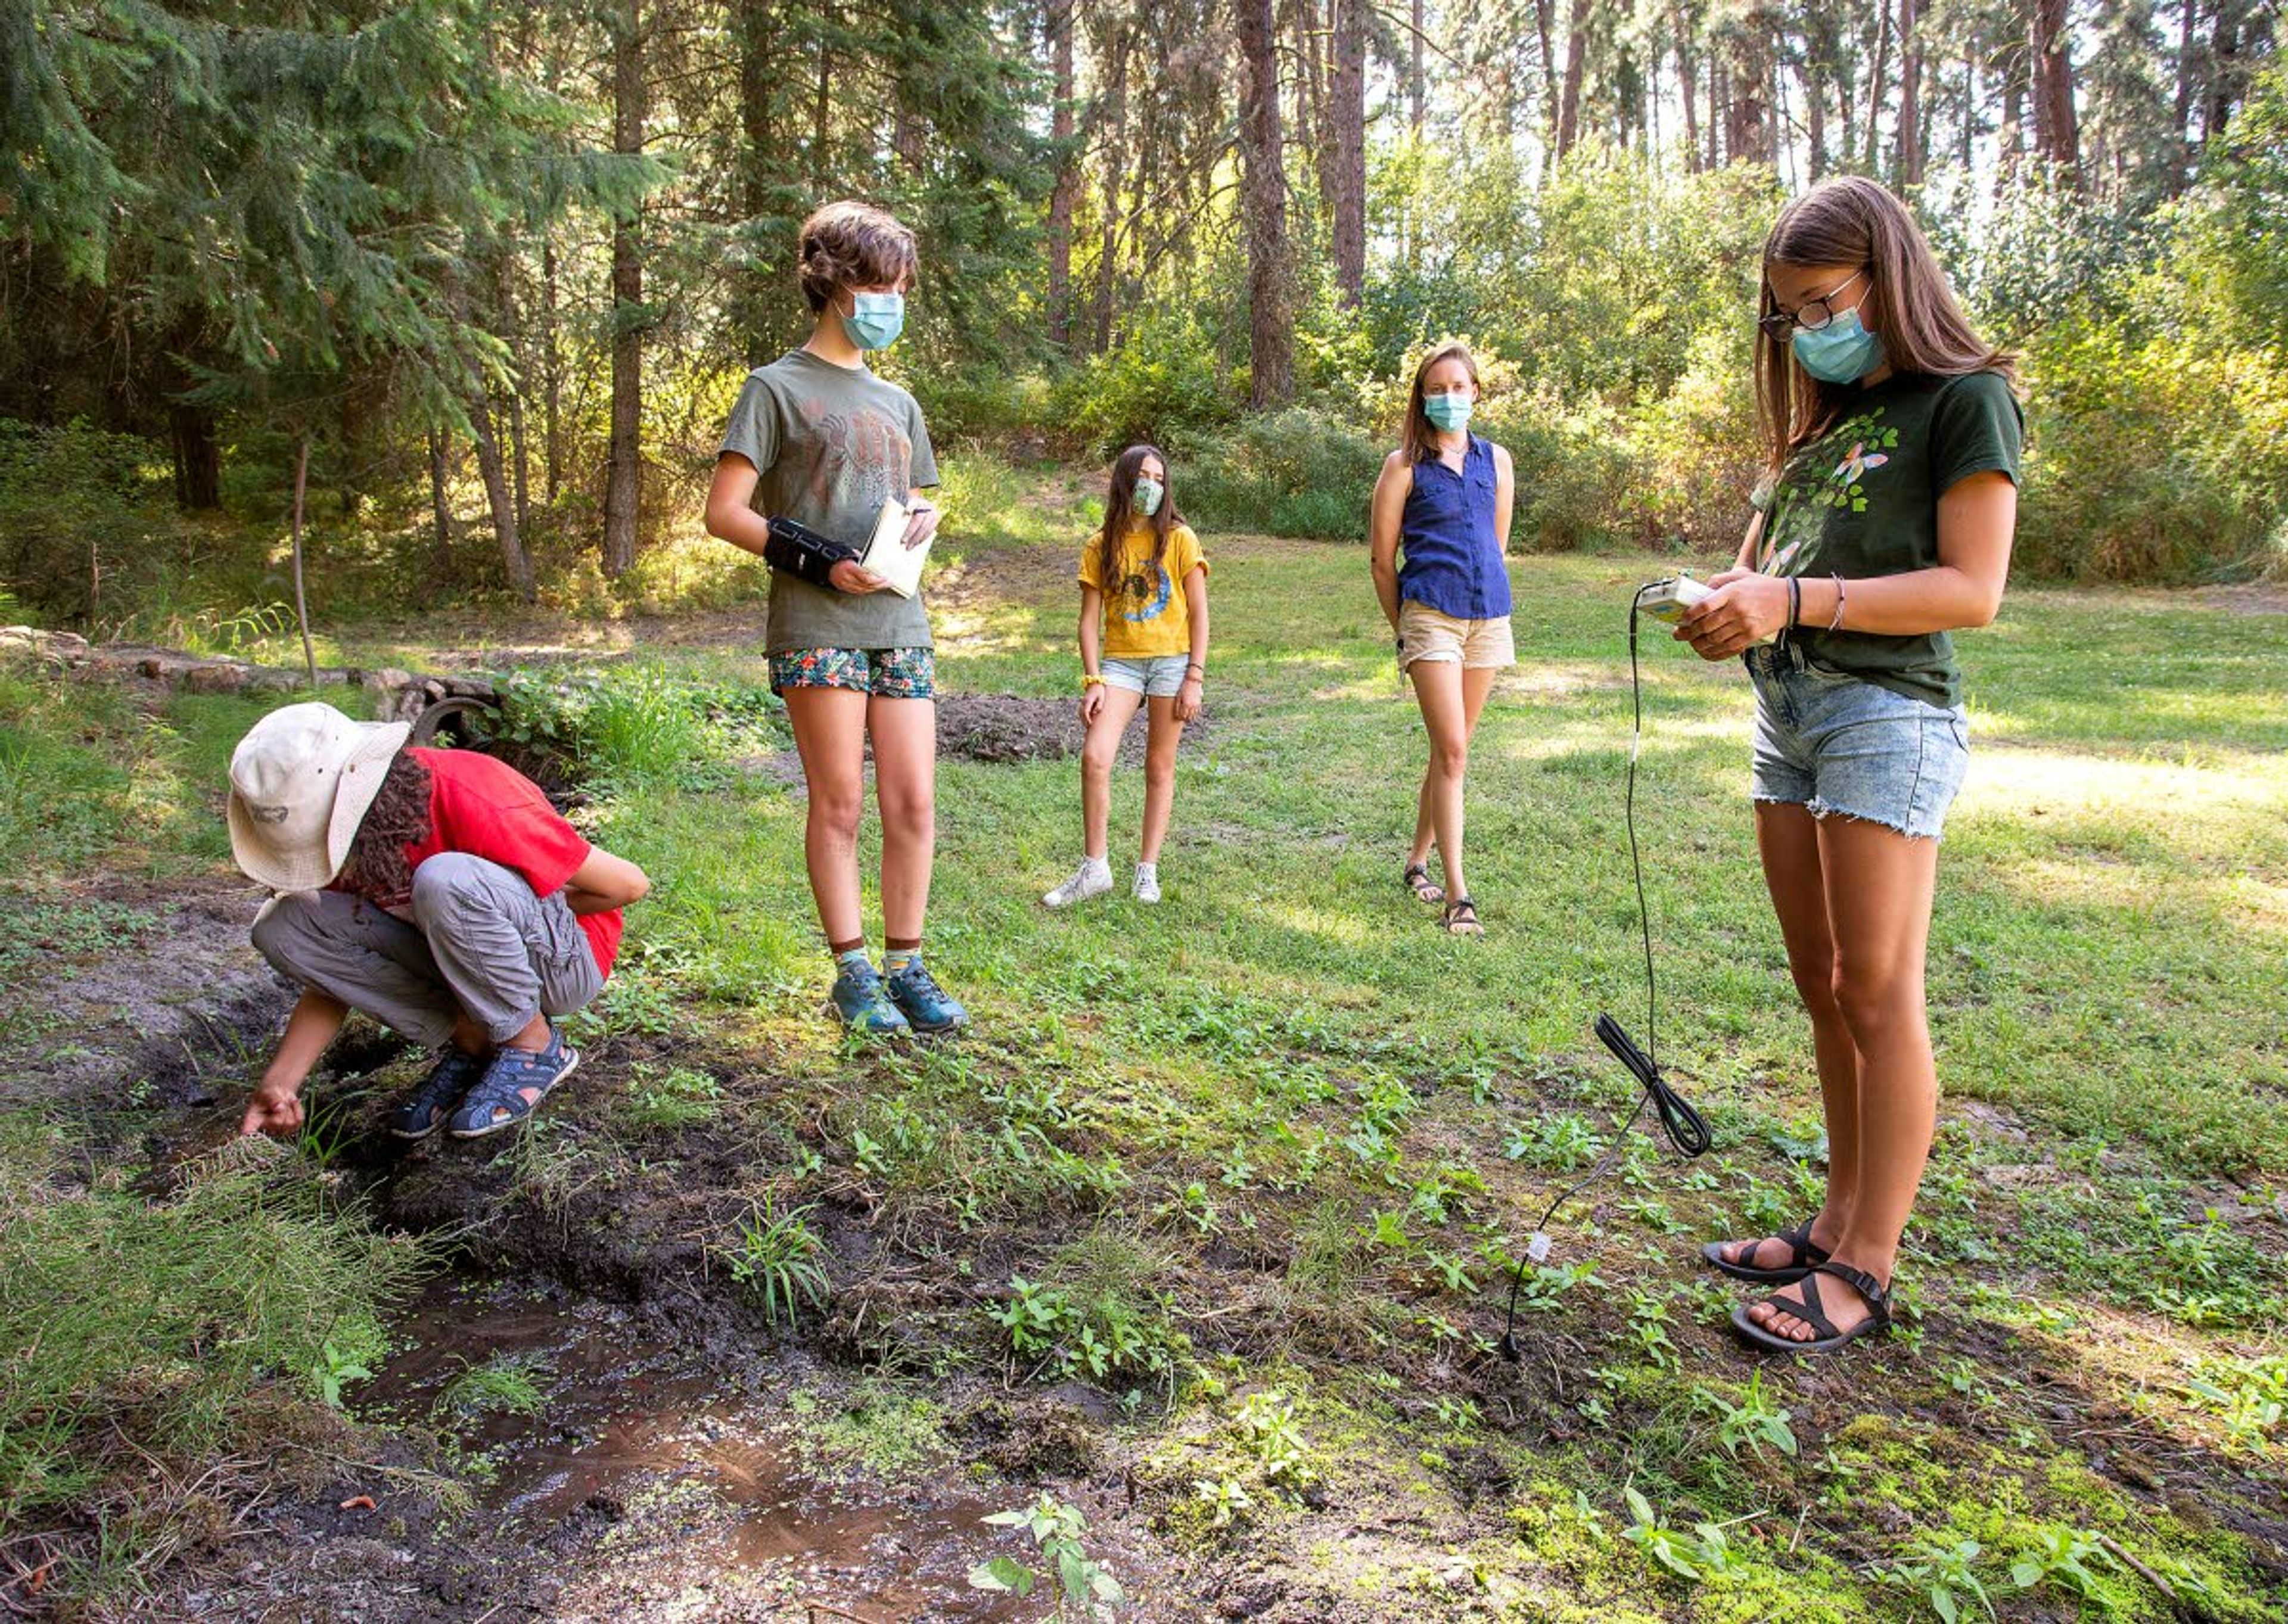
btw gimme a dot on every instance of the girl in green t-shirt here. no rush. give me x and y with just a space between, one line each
1143 645
816 445
1891 434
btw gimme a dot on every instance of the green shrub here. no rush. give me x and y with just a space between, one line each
1161 383
1294 472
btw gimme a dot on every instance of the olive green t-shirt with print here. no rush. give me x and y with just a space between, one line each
832 444
1146 614
1862 501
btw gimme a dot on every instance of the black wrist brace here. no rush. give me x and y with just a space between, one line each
800 550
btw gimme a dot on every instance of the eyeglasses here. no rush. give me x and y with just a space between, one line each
1811 315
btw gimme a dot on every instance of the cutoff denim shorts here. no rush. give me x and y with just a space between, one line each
1844 747
1155 676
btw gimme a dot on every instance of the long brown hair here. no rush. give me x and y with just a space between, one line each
1421 434
1909 302
399 818
1120 508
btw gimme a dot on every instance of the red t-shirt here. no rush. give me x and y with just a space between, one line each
485 808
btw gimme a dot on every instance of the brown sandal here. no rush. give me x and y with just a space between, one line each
1425 889
1461 918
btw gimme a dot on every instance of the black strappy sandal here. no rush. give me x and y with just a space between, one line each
1461 918
1417 880
1877 1297
1804 1255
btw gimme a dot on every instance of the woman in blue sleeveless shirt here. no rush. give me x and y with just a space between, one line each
1444 496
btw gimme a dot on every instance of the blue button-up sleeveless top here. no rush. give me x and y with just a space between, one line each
1451 558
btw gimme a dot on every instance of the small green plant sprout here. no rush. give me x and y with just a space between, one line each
775 1258
2061 1557
335 1366
1458 1414
677 1097
1676 1552
1238 1171
1225 1499
1756 1422
1454 1274
1035 1317
1085 1590
1266 1422
1946 1575
2249 1396
1648 1319
1560 1143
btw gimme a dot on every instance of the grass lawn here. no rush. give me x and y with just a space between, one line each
1255 1163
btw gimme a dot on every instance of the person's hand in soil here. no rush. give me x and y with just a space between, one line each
275 1109
852 577
1091 702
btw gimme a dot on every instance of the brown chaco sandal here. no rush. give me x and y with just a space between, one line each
1425 889
1461 918
1804 1255
1877 1297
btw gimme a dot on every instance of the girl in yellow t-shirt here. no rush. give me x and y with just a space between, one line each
1143 643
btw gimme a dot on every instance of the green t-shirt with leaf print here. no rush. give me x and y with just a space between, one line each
1862 501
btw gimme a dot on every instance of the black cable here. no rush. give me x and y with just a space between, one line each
1683 1125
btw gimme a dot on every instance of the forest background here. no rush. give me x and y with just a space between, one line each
491 275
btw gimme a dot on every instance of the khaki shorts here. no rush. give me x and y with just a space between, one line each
1424 633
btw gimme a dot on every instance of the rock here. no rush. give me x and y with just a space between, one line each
218 679
385 682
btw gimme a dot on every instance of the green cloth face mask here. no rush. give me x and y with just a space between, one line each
1148 493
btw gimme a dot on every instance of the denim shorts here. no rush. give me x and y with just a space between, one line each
1844 747
886 673
1154 677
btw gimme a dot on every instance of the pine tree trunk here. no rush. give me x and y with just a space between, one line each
1263 202
198 459
1689 90
1815 113
624 470
1881 77
1748 115
822 104
1058 22
1544 23
1909 161
2010 146
2189 24
1417 81
760 68
551 370
1346 99
1577 50
1115 156
2057 129
2227 68
1717 107
301 598
512 332
440 508
514 559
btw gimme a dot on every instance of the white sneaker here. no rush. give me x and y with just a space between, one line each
1091 879
1147 882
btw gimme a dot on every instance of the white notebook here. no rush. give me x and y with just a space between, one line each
887 554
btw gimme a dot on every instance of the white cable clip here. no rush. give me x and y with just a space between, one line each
1537 1249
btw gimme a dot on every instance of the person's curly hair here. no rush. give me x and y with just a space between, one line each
853 245
399 818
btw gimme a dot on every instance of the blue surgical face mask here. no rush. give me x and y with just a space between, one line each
1148 493
1446 413
1843 352
875 320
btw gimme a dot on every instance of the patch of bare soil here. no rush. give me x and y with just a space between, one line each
129 995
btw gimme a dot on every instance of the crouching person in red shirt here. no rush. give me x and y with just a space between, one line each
438 891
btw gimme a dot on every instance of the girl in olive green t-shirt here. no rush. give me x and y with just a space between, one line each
1891 433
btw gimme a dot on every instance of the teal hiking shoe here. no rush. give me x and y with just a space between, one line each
860 1000
927 1005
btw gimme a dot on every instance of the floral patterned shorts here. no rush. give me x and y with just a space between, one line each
886 673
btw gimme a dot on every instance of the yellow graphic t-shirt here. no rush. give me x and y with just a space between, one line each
1145 614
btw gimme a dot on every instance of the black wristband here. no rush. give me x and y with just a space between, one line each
1795 603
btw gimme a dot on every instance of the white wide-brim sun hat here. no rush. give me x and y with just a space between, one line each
300 784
